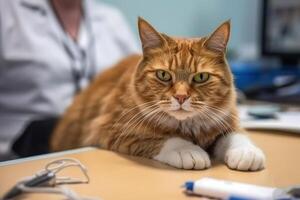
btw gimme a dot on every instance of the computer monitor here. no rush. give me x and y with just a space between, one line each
281 30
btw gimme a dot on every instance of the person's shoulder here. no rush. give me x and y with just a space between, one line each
99 9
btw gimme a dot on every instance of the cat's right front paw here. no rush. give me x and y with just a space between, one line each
187 156
245 158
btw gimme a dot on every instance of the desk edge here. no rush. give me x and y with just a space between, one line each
44 156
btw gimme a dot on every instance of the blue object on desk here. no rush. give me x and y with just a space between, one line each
248 74
267 81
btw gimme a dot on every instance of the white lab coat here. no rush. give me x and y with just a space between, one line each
40 66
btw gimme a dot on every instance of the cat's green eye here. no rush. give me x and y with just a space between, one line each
201 77
163 75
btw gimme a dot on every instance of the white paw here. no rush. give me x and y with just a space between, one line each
183 154
245 158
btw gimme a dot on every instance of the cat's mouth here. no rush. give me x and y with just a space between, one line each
177 110
180 110
181 113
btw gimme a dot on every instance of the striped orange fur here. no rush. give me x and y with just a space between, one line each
129 109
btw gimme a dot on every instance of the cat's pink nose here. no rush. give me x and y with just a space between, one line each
181 98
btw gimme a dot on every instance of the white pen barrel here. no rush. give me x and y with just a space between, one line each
225 189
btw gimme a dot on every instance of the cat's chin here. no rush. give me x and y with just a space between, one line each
181 114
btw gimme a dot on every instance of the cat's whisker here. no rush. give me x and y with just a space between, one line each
161 102
221 120
224 113
148 118
216 109
141 120
147 106
125 112
220 111
136 120
228 127
137 117
215 119
203 118
156 122
159 119
165 102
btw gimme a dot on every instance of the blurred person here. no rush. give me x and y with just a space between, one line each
49 51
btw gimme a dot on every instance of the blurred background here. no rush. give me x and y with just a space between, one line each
51 49
194 18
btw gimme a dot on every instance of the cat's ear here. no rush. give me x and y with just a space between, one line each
150 38
218 40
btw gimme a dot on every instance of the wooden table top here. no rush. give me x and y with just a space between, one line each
116 176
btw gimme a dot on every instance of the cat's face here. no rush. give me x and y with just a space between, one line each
184 77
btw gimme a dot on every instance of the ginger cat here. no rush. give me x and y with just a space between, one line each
173 104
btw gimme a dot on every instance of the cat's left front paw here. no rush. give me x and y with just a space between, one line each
245 158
